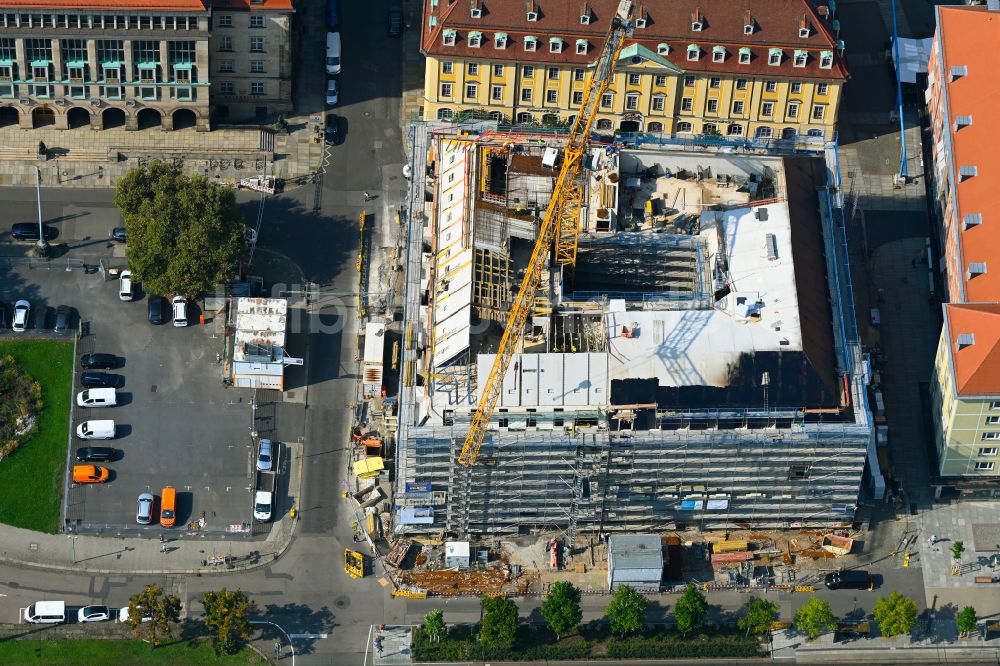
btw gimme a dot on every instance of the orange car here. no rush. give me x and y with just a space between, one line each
90 474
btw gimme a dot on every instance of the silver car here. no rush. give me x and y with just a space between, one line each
265 455
21 310
144 509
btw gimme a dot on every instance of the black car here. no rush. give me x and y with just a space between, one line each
395 21
854 579
98 361
332 15
333 129
62 318
95 454
156 309
117 234
98 380
28 231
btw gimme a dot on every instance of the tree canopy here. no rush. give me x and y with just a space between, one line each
626 611
226 614
690 608
896 615
434 625
814 617
758 616
164 610
184 233
499 625
561 608
966 620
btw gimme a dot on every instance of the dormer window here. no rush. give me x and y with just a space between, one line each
555 44
475 39
774 56
966 172
718 54
530 43
744 56
805 32
800 58
825 59
693 52
476 12
962 121
696 26
663 48
748 28
641 22
500 40
532 16
976 268
582 45
965 340
449 37
958 71
585 16
970 220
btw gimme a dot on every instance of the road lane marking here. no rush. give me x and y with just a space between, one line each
313 636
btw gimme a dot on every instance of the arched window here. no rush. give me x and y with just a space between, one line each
814 132
684 126
496 115
445 114
604 124
654 127
763 133
710 128
788 133
525 117
735 130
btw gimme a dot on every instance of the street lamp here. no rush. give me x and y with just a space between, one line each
42 247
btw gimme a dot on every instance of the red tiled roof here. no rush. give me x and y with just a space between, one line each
245 5
776 25
162 5
976 366
970 36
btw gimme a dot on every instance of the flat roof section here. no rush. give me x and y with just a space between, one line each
159 5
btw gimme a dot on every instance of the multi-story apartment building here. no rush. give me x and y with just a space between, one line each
138 64
962 83
768 68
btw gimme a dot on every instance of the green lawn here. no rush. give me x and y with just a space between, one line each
114 653
31 480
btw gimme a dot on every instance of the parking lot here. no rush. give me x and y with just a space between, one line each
176 424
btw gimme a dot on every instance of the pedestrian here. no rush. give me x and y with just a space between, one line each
218 357
377 644
368 197
933 539
163 548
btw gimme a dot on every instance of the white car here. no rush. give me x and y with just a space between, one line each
180 307
125 286
331 92
93 614
123 615
21 310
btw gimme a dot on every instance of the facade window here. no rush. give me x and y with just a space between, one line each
738 108
526 95
147 92
710 129
577 97
689 81
525 117
445 90
684 126
445 114
815 133
447 67
226 87
256 66
994 405
984 466
735 130
655 127
819 112
631 102
660 80
112 92
256 44
713 106
496 93
993 420
604 124
528 71
659 102
767 109
633 79
497 70
8 90
473 68
256 21
551 96
225 21
225 66
988 450
714 82
607 99
184 93
770 86
793 109
226 43
823 89
553 73
687 103
471 90
741 84
579 74
763 133
795 87
42 91
256 87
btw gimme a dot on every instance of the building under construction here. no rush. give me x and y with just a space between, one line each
699 366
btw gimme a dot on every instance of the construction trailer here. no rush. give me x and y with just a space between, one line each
635 560
700 366
258 355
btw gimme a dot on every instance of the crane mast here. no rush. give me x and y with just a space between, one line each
560 226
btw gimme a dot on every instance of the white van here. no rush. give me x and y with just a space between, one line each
97 397
96 430
46 612
333 53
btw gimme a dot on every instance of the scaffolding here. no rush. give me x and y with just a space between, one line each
491 288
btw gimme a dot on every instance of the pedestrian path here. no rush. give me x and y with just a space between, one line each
393 645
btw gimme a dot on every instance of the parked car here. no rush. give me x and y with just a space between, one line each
333 136
123 613
331 92
265 455
98 361
28 231
117 234
93 614
99 380
96 454
62 319
854 579
100 429
332 15
395 20
21 310
99 397
155 310
90 474
180 304
125 286
46 612
143 516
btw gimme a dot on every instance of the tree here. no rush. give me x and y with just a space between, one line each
626 610
896 615
434 625
226 615
561 608
814 617
690 609
966 621
499 623
184 233
163 610
957 549
758 616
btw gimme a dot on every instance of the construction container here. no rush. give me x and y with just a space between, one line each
731 546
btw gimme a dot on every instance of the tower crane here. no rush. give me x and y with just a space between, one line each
560 225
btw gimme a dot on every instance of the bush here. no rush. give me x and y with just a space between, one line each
20 403
674 646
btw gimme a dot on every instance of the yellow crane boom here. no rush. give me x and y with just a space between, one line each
560 225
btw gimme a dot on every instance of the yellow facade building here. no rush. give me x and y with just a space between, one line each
771 71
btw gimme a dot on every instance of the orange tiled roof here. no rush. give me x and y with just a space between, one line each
776 25
163 5
244 5
976 366
969 36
